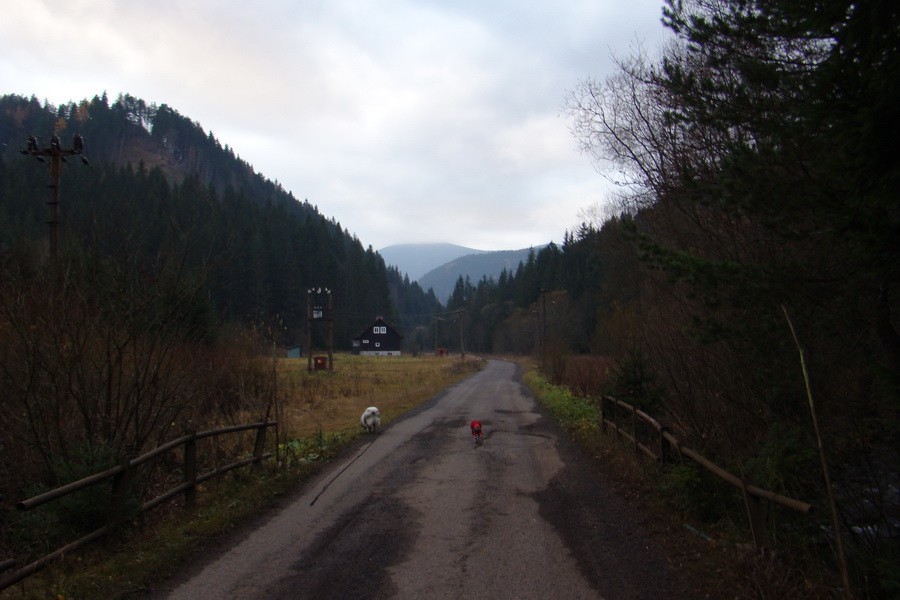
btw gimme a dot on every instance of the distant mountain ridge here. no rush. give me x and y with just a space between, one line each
439 266
474 266
416 260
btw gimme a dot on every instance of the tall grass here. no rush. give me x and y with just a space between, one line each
333 400
578 415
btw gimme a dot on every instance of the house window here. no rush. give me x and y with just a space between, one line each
378 344
365 342
379 329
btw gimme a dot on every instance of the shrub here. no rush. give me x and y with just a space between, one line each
63 520
788 463
634 382
697 493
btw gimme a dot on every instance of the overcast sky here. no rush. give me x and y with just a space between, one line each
406 120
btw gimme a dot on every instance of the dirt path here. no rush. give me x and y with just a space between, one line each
419 512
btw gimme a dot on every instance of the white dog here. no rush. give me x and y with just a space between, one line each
370 419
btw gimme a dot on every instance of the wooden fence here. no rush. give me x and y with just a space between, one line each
122 475
652 439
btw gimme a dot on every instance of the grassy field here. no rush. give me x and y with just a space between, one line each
332 401
318 415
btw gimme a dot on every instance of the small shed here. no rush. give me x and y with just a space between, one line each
295 352
378 339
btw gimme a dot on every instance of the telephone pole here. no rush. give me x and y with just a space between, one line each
462 343
542 350
57 155
436 320
315 313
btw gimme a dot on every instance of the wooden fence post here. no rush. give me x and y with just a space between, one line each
602 414
754 515
616 418
190 470
260 444
121 482
663 458
634 437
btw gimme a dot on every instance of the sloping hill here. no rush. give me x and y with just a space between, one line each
475 267
147 136
161 192
416 260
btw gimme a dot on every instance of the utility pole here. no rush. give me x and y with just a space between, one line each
57 155
462 343
543 318
315 313
309 318
436 320
329 317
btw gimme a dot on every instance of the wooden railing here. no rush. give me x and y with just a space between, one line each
649 437
122 475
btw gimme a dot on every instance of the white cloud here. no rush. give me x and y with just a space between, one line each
405 120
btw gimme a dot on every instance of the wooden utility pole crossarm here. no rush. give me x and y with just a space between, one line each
315 313
57 155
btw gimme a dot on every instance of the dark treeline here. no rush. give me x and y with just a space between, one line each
761 200
557 301
161 187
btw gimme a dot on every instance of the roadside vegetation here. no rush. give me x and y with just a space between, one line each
125 380
703 518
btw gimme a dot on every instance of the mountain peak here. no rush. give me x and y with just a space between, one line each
415 260
438 266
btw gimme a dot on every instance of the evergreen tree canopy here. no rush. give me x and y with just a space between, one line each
161 189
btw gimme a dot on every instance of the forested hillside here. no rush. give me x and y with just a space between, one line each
162 189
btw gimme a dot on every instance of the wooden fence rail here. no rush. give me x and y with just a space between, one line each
659 444
121 475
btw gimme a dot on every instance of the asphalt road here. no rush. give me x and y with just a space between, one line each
417 511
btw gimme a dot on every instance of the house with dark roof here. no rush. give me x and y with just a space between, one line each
378 339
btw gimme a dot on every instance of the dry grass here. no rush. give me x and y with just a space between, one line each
332 401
